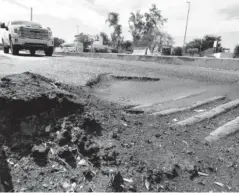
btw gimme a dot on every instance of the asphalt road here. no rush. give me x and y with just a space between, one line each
176 82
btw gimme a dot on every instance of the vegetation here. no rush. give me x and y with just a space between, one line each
116 36
106 40
145 29
205 43
58 42
83 38
193 51
166 51
236 52
177 51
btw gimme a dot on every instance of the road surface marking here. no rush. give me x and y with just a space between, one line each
210 114
198 104
223 131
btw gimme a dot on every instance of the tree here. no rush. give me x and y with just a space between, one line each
116 36
83 38
161 40
58 42
205 43
236 51
193 51
143 26
126 45
177 51
106 39
166 51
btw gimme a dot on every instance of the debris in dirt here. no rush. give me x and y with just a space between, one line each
88 175
126 145
116 182
63 137
66 154
110 157
158 135
83 162
40 152
108 171
175 120
66 185
219 184
202 174
200 110
189 151
91 125
229 187
115 135
132 188
201 182
125 124
192 169
128 180
185 142
48 129
147 184
109 145
171 170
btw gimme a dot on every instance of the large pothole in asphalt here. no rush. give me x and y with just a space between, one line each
126 90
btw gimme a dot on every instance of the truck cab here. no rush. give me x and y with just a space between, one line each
26 35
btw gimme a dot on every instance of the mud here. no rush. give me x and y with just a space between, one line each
56 137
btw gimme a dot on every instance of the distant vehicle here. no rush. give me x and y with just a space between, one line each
72 47
27 35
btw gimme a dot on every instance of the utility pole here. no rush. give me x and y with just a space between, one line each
184 41
31 13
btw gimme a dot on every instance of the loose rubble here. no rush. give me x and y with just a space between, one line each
62 138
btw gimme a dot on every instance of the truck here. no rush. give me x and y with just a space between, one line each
27 35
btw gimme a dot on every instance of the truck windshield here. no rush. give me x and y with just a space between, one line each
26 23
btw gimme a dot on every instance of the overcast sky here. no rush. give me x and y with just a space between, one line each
206 17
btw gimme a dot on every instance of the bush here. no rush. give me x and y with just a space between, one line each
178 51
236 52
115 51
193 51
166 51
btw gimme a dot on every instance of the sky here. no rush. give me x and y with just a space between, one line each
216 17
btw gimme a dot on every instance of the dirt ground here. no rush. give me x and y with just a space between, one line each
56 137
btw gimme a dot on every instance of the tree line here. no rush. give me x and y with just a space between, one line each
146 31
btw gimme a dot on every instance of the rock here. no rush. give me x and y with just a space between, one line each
63 137
40 151
132 188
171 170
157 135
65 185
108 171
93 148
48 129
82 162
88 175
65 153
117 182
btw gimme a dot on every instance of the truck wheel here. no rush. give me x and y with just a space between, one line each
5 48
49 51
14 49
32 52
